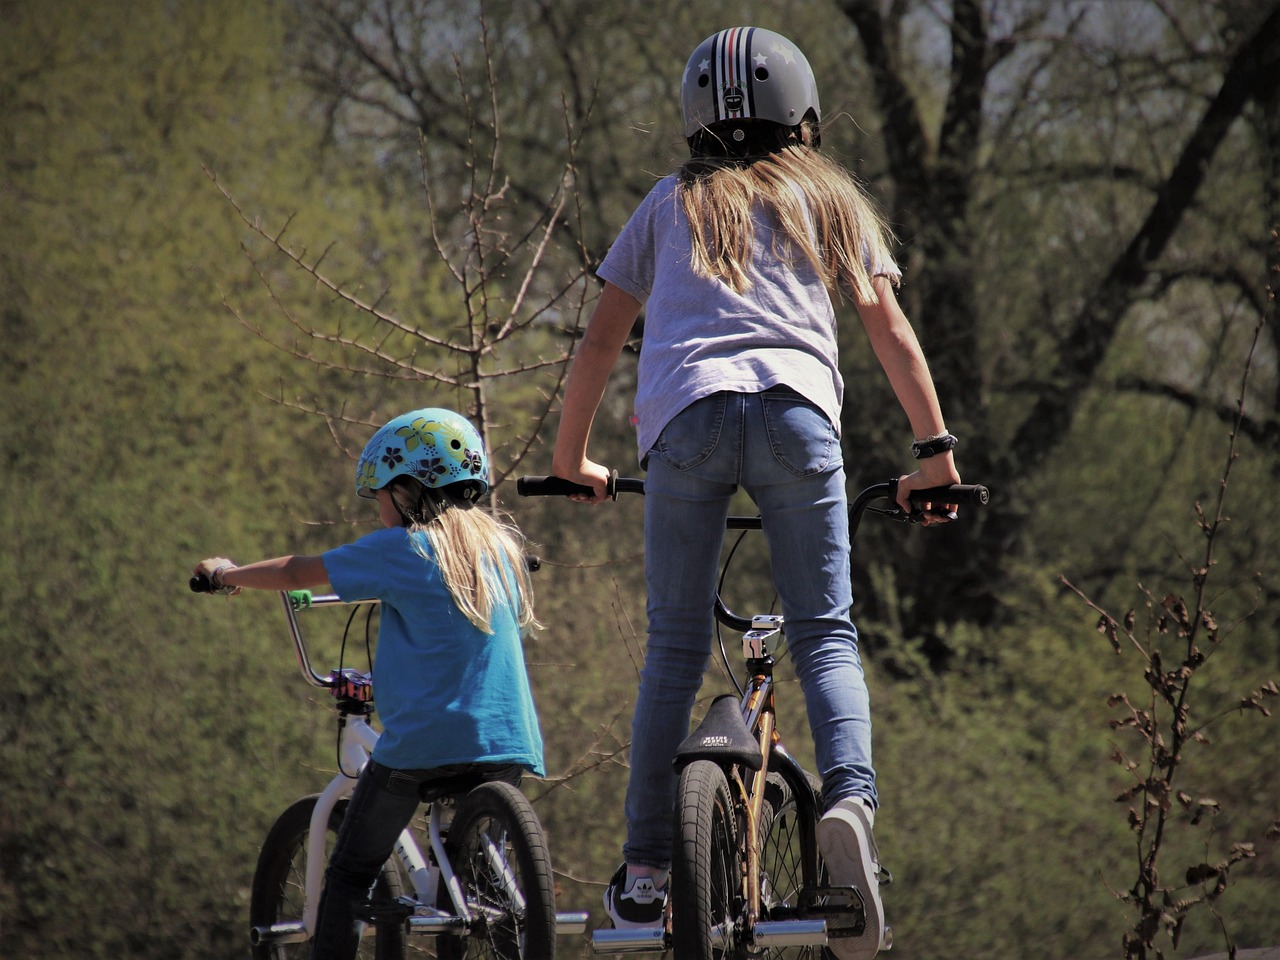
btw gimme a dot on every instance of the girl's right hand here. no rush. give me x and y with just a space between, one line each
589 474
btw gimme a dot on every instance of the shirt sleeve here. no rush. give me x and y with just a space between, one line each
355 569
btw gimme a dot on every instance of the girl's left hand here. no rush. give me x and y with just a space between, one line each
209 567
937 471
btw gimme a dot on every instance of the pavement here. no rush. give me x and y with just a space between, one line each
1262 953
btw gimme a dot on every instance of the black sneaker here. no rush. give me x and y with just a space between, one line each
634 904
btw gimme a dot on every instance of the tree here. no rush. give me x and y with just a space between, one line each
1001 128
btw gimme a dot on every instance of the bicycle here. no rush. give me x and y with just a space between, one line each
747 877
483 886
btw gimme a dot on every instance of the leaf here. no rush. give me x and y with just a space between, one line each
1244 850
1201 873
1251 703
1177 607
1107 627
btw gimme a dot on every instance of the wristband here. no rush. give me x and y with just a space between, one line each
215 578
932 446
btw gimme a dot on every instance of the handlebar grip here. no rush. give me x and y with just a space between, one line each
200 584
559 487
973 494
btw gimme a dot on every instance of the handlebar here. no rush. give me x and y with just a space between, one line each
559 487
200 583
973 494
293 601
968 494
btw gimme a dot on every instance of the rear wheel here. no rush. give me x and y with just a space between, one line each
706 868
499 853
279 886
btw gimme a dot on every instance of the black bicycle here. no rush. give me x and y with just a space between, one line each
747 877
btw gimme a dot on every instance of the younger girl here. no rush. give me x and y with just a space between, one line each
449 671
736 259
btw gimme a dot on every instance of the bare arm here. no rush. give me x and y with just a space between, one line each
899 353
280 573
607 332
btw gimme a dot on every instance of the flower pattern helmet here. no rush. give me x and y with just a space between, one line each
437 447
747 73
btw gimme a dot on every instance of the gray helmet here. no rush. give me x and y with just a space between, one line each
747 73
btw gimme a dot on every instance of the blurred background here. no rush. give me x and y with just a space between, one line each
235 238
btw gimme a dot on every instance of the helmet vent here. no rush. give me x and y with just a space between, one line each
703 80
762 73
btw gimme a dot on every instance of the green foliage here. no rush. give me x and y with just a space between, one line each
150 737
1167 722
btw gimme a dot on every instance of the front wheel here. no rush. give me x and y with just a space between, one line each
706 866
499 853
279 886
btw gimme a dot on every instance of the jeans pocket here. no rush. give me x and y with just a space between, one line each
692 434
802 439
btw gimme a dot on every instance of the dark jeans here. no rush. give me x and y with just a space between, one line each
384 801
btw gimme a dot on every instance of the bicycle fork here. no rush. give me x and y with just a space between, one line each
755 713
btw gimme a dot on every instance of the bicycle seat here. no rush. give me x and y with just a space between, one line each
467 779
722 737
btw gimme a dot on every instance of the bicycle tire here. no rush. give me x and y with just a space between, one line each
706 867
498 816
279 885
781 873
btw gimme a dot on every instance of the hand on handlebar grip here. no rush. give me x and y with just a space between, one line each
205 577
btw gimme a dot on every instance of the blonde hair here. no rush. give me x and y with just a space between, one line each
823 212
481 556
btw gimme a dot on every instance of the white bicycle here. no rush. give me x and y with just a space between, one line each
483 887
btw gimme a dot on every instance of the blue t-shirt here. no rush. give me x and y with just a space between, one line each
702 337
446 691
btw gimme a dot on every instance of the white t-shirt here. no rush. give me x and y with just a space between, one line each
701 337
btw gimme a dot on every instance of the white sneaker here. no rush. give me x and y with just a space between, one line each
846 842
634 903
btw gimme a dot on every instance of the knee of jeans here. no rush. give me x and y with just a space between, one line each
347 878
823 644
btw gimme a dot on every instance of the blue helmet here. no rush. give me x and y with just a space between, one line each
437 447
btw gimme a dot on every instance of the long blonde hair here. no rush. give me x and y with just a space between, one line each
481 556
822 210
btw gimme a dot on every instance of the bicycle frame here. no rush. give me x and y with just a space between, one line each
757 709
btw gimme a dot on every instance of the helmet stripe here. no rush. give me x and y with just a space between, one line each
731 56
719 71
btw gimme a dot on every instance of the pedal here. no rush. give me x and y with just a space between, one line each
386 911
649 940
842 908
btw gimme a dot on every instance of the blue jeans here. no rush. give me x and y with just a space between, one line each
786 455
383 803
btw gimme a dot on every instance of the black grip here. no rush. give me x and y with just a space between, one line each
972 494
559 487
200 583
